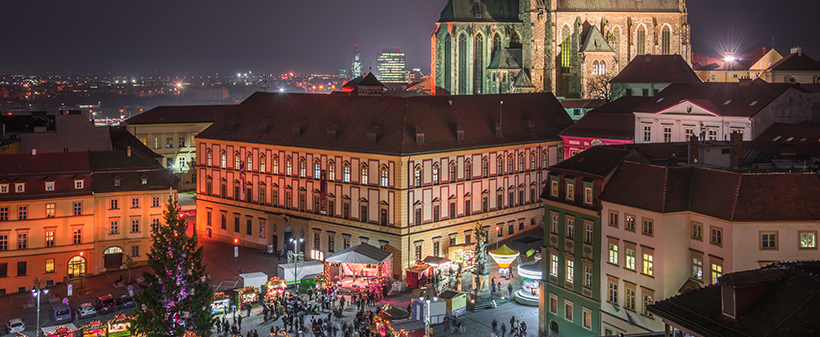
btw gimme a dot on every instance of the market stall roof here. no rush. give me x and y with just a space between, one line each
504 251
449 294
407 324
51 329
362 254
435 260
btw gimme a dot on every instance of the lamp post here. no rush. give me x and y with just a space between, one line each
497 237
236 255
295 257
40 286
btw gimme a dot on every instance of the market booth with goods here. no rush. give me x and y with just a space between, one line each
359 267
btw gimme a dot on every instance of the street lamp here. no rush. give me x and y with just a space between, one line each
40 285
236 255
497 237
295 257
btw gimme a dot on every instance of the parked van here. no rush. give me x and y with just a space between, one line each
106 304
60 313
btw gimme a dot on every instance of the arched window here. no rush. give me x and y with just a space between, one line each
641 41
496 44
478 65
384 173
515 40
614 40
595 68
462 64
602 68
666 36
363 170
76 267
566 56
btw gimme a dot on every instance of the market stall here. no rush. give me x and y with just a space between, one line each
456 302
504 257
362 266
274 288
95 329
437 309
248 295
414 274
64 330
120 326
220 304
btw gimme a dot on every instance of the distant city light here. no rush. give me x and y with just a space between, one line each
729 58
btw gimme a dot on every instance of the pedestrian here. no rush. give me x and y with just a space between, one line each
495 325
509 290
240 322
503 329
512 320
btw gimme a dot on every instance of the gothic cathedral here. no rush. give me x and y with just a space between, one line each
562 46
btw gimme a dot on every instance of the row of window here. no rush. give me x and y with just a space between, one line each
247 165
76 267
50 237
169 142
647 225
770 240
630 295
569 232
48 186
569 311
485 168
697 263
689 131
569 194
569 270
114 226
631 254
114 203
51 209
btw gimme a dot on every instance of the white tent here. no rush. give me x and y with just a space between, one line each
361 254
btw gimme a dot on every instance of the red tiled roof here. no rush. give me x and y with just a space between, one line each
614 120
720 194
181 114
784 303
597 160
657 68
795 61
725 99
22 164
790 133
396 117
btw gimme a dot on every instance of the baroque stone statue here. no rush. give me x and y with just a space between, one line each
481 250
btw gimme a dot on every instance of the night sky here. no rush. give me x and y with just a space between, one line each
203 37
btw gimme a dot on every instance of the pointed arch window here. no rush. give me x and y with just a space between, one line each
595 68
462 64
478 64
566 56
641 41
666 37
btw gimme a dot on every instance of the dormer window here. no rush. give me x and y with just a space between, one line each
117 182
4 188
78 184
19 187
144 180
570 191
49 185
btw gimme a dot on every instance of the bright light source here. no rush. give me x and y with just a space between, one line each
281 89
729 58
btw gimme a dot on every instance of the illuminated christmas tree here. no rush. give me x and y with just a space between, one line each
175 299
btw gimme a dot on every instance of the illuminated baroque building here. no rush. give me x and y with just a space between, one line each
64 215
411 175
499 46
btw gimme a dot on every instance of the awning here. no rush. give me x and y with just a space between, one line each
436 261
361 254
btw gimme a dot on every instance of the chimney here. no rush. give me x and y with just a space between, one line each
737 149
498 130
128 151
459 132
797 50
33 152
693 149
419 135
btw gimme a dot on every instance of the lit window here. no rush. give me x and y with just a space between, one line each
648 264
554 266
570 271
613 253
808 240
50 210
613 293
49 185
630 259
384 177
364 175
697 268
20 187
717 272
4 188
78 236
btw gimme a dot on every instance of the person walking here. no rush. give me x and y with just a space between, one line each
503 329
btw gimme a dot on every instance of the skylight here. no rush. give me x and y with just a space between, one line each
753 103
776 139
659 100
727 102
789 139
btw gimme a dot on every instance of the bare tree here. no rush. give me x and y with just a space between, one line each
598 87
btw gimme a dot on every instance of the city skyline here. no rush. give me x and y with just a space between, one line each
95 37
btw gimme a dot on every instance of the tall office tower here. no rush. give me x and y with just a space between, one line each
391 66
356 63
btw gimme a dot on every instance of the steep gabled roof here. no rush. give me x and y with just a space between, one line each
506 58
796 62
595 42
490 10
725 99
597 161
657 69
370 80
618 6
720 194
397 117
523 80
170 114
